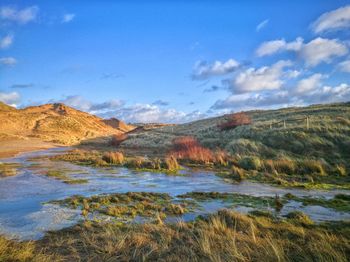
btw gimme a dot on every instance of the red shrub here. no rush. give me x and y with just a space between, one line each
118 139
188 148
235 120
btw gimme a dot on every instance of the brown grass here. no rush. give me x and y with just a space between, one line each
115 158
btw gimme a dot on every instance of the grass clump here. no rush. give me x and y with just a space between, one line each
8 169
11 250
299 218
171 163
115 158
250 163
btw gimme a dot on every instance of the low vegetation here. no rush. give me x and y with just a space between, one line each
128 206
225 236
300 147
168 165
60 175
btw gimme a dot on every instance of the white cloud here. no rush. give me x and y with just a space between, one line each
270 99
262 25
316 51
345 66
20 16
6 41
137 113
12 98
333 20
264 78
329 94
9 61
322 50
68 18
203 70
275 46
77 102
146 113
308 84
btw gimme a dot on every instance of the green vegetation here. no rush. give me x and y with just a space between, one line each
60 175
236 199
297 154
225 236
127 206
340 202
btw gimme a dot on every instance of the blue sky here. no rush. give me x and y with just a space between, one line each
174 61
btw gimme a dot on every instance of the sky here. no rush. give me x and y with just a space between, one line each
174 61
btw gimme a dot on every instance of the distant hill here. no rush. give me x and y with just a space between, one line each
116 123
55 123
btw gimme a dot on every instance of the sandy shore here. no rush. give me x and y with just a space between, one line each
10 148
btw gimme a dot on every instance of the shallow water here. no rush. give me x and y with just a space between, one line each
24 214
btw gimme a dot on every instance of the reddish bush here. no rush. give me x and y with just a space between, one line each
235 120
118 139
188 148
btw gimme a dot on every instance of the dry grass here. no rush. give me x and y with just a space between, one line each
115 158
225 236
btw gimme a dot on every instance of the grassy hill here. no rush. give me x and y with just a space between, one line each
274 135
54 123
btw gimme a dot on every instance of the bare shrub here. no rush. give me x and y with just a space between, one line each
235 120
188 148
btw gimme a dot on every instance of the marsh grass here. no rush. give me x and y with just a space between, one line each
224 236
339 202
62 176
127 206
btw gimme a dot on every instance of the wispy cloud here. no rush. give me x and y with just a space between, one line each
68 18
20 16
160 103
8 61
345 66
202 70
334 20
20 86
262 25
6 41
111 75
